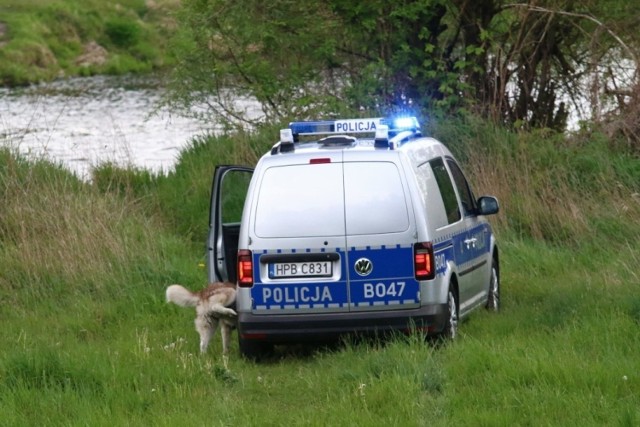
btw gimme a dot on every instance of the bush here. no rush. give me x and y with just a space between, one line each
123 33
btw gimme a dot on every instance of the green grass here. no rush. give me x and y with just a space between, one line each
557 355
44 39
88 339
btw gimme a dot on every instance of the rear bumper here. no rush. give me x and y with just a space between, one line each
313 327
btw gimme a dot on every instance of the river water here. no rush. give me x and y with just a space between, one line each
83 122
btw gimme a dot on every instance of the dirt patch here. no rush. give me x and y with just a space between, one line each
43 57
92 54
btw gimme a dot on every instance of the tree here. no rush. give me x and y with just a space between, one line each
520 63
279 53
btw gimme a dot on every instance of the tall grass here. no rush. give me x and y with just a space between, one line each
564 190
88 339
182 198
64 240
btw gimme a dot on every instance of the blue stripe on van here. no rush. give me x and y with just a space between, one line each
391 282
451 247
291 294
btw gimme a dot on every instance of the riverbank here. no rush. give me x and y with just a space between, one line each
42 40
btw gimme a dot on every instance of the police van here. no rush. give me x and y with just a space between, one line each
351 226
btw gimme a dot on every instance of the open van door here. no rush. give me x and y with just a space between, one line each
228 194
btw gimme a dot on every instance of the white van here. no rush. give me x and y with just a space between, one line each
345 234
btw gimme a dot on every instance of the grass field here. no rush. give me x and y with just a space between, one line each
41 40
87 338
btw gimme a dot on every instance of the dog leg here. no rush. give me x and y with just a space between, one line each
226 339
206 328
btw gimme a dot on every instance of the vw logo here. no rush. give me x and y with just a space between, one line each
363 267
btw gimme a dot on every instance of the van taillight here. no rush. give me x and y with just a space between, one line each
245 268
423 261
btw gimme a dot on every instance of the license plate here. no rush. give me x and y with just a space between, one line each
281 270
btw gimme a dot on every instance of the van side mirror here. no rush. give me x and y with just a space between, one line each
488 205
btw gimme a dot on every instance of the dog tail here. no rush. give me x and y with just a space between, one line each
182 296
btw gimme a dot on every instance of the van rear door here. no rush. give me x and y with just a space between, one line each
228 194
297 236
380 234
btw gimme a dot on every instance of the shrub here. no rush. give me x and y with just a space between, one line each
122 32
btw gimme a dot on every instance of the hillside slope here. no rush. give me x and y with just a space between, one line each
41 40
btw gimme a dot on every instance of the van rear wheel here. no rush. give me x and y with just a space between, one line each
450 330
493 299
451 326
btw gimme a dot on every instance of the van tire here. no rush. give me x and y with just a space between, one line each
493 297
450 330
254 350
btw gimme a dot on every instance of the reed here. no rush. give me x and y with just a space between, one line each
557 188
62 238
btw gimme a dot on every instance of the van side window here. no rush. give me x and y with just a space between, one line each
466 196
446 190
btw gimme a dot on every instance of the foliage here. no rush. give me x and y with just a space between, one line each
269 52
527 65
122 33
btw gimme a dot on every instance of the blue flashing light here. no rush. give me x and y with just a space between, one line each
405 123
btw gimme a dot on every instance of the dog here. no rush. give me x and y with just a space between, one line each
214 306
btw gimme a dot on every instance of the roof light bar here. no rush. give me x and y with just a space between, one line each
347 126
335 126
312 128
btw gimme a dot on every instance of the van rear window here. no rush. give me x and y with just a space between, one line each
331 199
374 197
301 201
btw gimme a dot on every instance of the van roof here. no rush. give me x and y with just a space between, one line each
382 133
368 134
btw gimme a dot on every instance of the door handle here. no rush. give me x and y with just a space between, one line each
470 242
